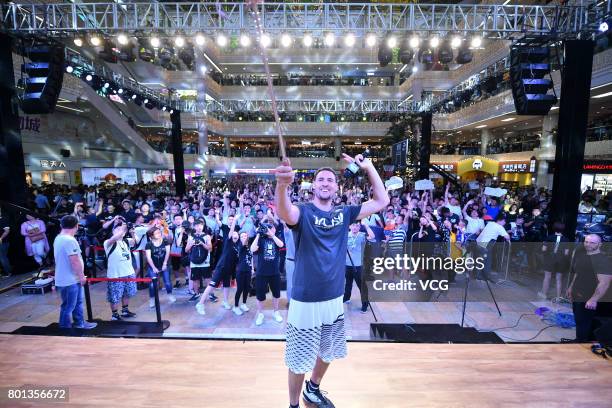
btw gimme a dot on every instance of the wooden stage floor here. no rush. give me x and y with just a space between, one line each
236 374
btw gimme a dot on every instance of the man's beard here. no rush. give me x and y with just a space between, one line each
320 197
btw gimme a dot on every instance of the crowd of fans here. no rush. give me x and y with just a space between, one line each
299 80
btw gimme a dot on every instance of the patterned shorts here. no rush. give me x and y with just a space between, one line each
314 330
115 291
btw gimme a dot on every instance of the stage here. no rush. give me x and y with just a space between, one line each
235 374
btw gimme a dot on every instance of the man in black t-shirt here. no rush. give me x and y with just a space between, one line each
590 287
267 273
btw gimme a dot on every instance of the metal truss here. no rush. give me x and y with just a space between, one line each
360 18
314 106
78 60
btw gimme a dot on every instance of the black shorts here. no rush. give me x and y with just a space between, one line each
262 283
219 276
175 261
200 273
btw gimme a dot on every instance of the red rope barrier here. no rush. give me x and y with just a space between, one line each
119 279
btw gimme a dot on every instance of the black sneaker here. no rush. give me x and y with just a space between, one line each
316 397
177 285
116 316
194 297
364 309
213 298
127 313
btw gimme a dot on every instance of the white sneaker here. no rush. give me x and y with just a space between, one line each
541 295
278 317
244 307
226 305
151 303
260 319
237 311
171 299
200 309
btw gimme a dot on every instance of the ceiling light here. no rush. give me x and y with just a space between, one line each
415 41
146 101
415 69
106 84
307 40
120 91
371 40
179 41
392 42
265 40
349 40
221 40
164 108
95 40
122 39
134 96
69 69
434 42
554 108
329 39
88 77
203 69
480 127
171 111
476 42
603 27
507 119
456 42
200 39
286 40
155 42
78 42
245 40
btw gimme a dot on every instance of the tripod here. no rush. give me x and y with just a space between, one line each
488 254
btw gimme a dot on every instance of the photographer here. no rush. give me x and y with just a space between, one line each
267 273
226 267
199 246
119 257
158 253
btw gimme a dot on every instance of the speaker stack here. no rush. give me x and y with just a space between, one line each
43 80
529 66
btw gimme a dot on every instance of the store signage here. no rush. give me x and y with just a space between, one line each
28 123
597 166
52 164
515 167
449 167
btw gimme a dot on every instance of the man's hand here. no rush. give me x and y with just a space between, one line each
591 304
284 173
359 160
83 280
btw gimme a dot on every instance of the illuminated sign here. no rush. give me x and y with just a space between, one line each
514 167
449 167
52 164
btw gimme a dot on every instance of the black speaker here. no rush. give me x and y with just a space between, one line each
385 55
43 80
528 67
65 152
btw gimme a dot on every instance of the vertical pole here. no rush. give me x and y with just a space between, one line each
88 302
571 135
177 153
157 305
425 148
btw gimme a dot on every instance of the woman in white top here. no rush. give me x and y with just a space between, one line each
37 245
475 224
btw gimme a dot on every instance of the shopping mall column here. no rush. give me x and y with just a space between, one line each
547 148
571 137
425 146
177 152
485 136
12 168
228 146
337 148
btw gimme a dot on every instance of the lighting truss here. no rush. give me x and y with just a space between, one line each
490 20
314 106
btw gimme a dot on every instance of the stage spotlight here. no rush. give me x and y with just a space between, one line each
415 41
329 39
349 40
155 42
69 69
371 40
88 78
134 96
307 40
405 53
445 53
78 42
245 40
426 56
603 27
222 40
95 41
120 91
391 41
385 55
122 39
187 55
456 42
464 55
179 41
200 40
286 40
434 42
265 40
476 42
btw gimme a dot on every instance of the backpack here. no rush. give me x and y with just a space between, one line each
198 254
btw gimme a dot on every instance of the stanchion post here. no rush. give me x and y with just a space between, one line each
88 302
92 260
157 305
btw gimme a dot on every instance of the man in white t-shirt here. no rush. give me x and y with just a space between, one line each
491 232
119 257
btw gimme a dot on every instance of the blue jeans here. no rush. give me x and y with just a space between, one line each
165 275
4 261
72 306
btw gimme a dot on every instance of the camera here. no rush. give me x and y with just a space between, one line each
353 168
263 228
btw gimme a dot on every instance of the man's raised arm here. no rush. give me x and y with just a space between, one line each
284 177
380 198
